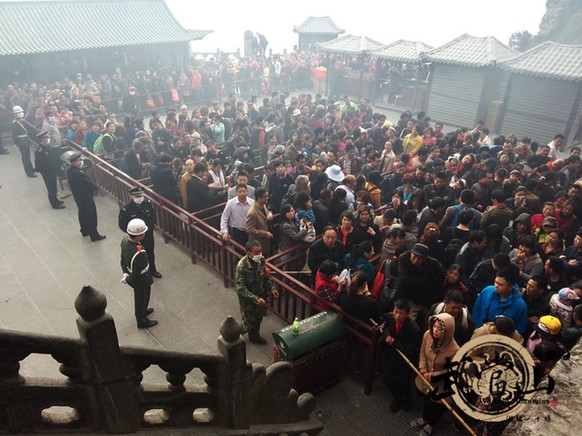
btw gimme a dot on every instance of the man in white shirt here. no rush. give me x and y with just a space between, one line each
349 184
556 145
242 177
234 216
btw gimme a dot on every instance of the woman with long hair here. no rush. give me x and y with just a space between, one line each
290 235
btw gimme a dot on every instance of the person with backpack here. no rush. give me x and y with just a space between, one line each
467 200
462 231
485 272
454 305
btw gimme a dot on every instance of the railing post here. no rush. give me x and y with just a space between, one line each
371 369
115 392
234 390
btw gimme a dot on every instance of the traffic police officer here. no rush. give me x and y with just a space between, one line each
253 286
135 267
21 140
45 165
140 207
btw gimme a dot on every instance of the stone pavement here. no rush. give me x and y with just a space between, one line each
44 263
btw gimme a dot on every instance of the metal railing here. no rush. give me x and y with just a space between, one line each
198 233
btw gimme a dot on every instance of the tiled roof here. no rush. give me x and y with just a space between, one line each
44 27
402 51
319 25
549 60
471 51
350 44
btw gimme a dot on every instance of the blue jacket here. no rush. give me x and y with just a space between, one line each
488 306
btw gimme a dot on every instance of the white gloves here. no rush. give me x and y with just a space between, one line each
124 279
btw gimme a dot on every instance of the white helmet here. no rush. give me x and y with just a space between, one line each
17 109
136 227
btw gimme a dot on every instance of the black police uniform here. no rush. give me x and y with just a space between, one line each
83 190
45 165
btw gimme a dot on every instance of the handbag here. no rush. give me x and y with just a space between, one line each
310 235
379 281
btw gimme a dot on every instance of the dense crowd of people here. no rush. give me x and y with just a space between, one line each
476 234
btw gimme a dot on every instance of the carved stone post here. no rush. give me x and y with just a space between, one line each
234 390
115 392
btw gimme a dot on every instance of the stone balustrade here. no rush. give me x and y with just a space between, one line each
102 387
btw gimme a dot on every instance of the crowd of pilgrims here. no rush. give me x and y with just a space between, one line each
476 234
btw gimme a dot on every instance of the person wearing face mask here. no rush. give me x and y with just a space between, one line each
21 140
45 165
253 286
135 268
83 190
141 208
130 101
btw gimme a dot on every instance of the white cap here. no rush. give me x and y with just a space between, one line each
136 227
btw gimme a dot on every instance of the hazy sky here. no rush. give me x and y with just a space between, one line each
431 21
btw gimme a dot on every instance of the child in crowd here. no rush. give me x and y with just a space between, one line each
562 306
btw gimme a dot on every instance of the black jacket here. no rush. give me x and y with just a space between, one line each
322 216
200 196
133 164
420 285
407 340
81 186
144 211
164 182
361 307
318 252
278 187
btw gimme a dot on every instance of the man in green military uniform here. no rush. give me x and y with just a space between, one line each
135 267
253 286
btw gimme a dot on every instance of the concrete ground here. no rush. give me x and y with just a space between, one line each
44 263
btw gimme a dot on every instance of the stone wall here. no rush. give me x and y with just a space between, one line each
562 415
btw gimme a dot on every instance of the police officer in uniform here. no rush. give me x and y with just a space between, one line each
21 140
140 207
253 286
83 190
135 267
45 165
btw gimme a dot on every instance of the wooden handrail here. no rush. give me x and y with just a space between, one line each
198 234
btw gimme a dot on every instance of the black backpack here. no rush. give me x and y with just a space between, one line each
451 250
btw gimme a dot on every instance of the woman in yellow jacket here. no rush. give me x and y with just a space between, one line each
412 142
